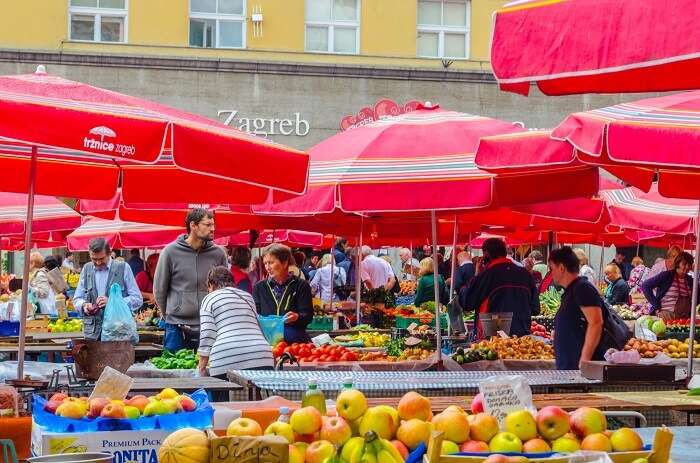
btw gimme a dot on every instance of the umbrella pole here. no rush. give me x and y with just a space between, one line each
694 297
436 288
601 279
332 270
25 272
358 274
453 264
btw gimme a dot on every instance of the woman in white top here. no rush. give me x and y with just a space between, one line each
230 336
321 282
39 285
585 269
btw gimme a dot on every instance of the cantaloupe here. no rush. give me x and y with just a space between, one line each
186 445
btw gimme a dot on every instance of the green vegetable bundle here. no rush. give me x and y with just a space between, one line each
184 359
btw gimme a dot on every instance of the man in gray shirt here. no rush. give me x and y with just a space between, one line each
180 281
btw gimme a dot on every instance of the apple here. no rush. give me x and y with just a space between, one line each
351 404
536 446
167 393
522 424
413 432
448 448
77 402
454 408
496 458
394 416
626 440
483 427
453 425
506 442
51 406
306 420
319 451
587 420
156 408
597 441
335 430
350 447
57 397
413 405
71 409
296 455
305 438
566 445
138 401
377 420
186 403
173 405
280 429
477 405
244 427
474 446
403 450
131 412
113 410
552 422
96 406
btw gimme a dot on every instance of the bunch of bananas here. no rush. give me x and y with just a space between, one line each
370 449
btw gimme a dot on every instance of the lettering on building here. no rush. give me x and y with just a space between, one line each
266 126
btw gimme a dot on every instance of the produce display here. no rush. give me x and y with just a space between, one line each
148 316
514 348
550 301
463 356
674 348
407 287
655 324
681 325
68 325
184 359
307 352
363 339
166 402
539 330
632 312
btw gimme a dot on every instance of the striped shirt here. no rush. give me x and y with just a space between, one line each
230 334
679 287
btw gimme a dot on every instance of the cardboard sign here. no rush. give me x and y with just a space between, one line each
505 394
245 449
112 385
322 339
502 334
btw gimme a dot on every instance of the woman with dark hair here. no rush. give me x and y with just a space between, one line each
669 292
240 263
144 279
285 294
230 336
578 325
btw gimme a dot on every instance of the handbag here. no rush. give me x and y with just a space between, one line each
57 281
615 332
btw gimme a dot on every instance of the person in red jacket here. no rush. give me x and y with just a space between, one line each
504 287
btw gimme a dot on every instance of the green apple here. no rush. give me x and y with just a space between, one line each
505 442
132 412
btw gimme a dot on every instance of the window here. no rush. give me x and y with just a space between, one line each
332 26
217 23
443 28
98 20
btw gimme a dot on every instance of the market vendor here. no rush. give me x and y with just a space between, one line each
618 291
284 294
425 291
578 325
669 292
144 279
97 276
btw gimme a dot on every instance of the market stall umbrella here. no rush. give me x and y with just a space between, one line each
291 238
64 138
122 235
597 46
40 240
50 214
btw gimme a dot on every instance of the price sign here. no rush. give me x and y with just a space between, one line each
505 394
322 339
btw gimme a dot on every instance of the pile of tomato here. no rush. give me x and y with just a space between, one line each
307 352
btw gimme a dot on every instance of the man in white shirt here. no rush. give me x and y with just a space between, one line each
409 265
376 272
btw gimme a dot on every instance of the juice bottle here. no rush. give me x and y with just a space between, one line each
314 397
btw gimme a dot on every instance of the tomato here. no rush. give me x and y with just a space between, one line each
277 351
323 358
352 356
304 352
346 357
282 343
287 350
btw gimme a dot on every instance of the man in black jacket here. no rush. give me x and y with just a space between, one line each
503 287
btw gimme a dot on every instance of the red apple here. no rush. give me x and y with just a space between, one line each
319 451
138 401
306 438
552 422
483 427
112 410
536 446
187 404
96 406
403 450
335 430
478 403
58 397
586 420
474 446
52 405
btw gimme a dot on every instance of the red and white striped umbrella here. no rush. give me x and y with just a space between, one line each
122 235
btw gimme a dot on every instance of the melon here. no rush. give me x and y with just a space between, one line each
186 445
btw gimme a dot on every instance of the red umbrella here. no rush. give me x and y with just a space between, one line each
50 214
292 238
40 240
597 46
122 235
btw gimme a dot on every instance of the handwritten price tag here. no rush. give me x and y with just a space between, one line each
505 394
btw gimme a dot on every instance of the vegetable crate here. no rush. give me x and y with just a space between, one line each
9 328
403 323
324 323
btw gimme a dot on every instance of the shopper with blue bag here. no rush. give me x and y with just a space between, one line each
92 294
282 300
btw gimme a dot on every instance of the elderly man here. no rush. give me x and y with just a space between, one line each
96 278
376 272
409 265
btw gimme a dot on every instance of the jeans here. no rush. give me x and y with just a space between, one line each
174 339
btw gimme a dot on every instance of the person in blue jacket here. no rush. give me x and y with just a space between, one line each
669 292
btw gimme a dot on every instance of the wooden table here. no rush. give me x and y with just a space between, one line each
218 388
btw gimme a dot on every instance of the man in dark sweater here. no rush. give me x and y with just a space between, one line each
180 281
503 287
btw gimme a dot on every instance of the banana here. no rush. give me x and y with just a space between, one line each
385 457
387 446
356 454
369 456
350 447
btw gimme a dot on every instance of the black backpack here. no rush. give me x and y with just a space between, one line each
615 333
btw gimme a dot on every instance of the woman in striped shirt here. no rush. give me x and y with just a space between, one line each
230 336
669 292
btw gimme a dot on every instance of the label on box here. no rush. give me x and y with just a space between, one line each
505 394
244 449
322 339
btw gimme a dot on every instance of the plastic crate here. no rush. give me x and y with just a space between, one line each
403 323
321 324
9 328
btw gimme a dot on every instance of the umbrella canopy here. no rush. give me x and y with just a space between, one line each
50 214
291 238
122 235
597 46
40 240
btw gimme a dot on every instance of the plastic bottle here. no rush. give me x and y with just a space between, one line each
314 397
284 415
347 384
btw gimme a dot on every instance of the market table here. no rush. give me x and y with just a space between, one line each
142 351
218 388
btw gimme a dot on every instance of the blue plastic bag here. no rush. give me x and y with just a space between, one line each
118 323
272 327
200 418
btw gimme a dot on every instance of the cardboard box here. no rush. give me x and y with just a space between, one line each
244 449
126 446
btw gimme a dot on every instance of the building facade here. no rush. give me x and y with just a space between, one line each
290 70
